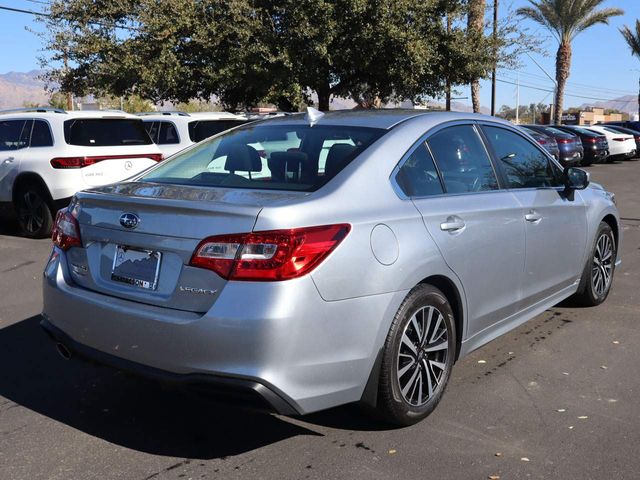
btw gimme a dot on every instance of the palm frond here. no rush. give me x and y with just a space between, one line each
633 39
595 17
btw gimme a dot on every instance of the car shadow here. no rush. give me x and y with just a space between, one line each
125 410
9 226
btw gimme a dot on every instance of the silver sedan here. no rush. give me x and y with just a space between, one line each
314 260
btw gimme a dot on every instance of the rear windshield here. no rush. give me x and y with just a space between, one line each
201 129
277 157
585 132
557 132
105 132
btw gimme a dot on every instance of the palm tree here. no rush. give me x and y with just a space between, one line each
633 39
475 24
566 19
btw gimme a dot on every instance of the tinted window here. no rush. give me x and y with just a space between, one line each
41 134
105 132
11 134
152 130
167 134
282 157
201 129
462 160
524 165
418 176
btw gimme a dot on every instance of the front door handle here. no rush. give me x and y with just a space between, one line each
533 217
9 159
452 224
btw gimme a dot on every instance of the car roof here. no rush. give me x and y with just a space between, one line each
147 116
376 118
64 115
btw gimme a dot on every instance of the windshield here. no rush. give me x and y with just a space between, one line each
278 157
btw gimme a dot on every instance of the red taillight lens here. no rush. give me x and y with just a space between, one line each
591 140
619 139
542 141
269 256
66 231
565 140
80 162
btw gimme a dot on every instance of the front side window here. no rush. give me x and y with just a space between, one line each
105 132
524 165
418 176
462 159
278 157
13 134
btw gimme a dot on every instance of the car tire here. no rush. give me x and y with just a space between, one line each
35 218
597 276
418 356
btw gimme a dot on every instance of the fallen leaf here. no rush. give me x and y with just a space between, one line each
604 367
565 373
510 353
392 451
482 361
571 427
561 410
616 342
494 477
525 459
582 417
498 454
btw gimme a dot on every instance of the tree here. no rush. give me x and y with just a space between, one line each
58 100
475 27
633 39
566 19
249 51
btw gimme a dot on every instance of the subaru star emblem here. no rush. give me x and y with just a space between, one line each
129 220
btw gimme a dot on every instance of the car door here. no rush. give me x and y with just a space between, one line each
556 222
477 227
14 137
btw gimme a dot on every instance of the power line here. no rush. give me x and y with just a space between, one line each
577 84
566 94
30 12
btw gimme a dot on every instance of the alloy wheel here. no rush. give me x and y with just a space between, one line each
602 268
31 211
422 356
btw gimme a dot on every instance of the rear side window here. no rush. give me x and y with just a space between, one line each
274 157
418 176
105 132
524 165
14 134
462 159
201 129
41 134
167 134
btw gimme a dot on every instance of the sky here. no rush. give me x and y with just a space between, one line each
602 67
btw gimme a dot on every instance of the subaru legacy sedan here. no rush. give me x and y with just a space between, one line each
369 253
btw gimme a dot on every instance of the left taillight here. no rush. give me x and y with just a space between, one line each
273 255
66 231
81 162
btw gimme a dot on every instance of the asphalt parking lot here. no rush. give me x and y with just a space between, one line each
556 398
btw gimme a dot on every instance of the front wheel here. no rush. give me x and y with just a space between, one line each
418 357
597 276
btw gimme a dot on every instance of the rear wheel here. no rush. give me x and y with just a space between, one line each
597 276
34 214
418 356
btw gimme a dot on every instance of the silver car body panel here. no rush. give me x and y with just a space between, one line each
315 339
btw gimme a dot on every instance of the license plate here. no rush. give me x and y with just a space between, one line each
136 267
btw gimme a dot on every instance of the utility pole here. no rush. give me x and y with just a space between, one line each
448 82
66 68
495 57
517 98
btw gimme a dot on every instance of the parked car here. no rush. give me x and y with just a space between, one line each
571 151
628 131
47 155
622 146
633 125
546 141
175 131
427 235
595 145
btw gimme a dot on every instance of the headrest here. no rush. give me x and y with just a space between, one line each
282 163
243 158
337 158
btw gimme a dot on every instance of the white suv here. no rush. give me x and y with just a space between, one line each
175 131
47 155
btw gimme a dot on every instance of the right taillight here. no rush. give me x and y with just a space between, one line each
270 255
66 231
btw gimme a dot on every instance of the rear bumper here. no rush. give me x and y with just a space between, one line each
249 392
278 336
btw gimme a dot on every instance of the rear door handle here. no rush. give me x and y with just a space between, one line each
452 224
533 217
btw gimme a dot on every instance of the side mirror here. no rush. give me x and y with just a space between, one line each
575 178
